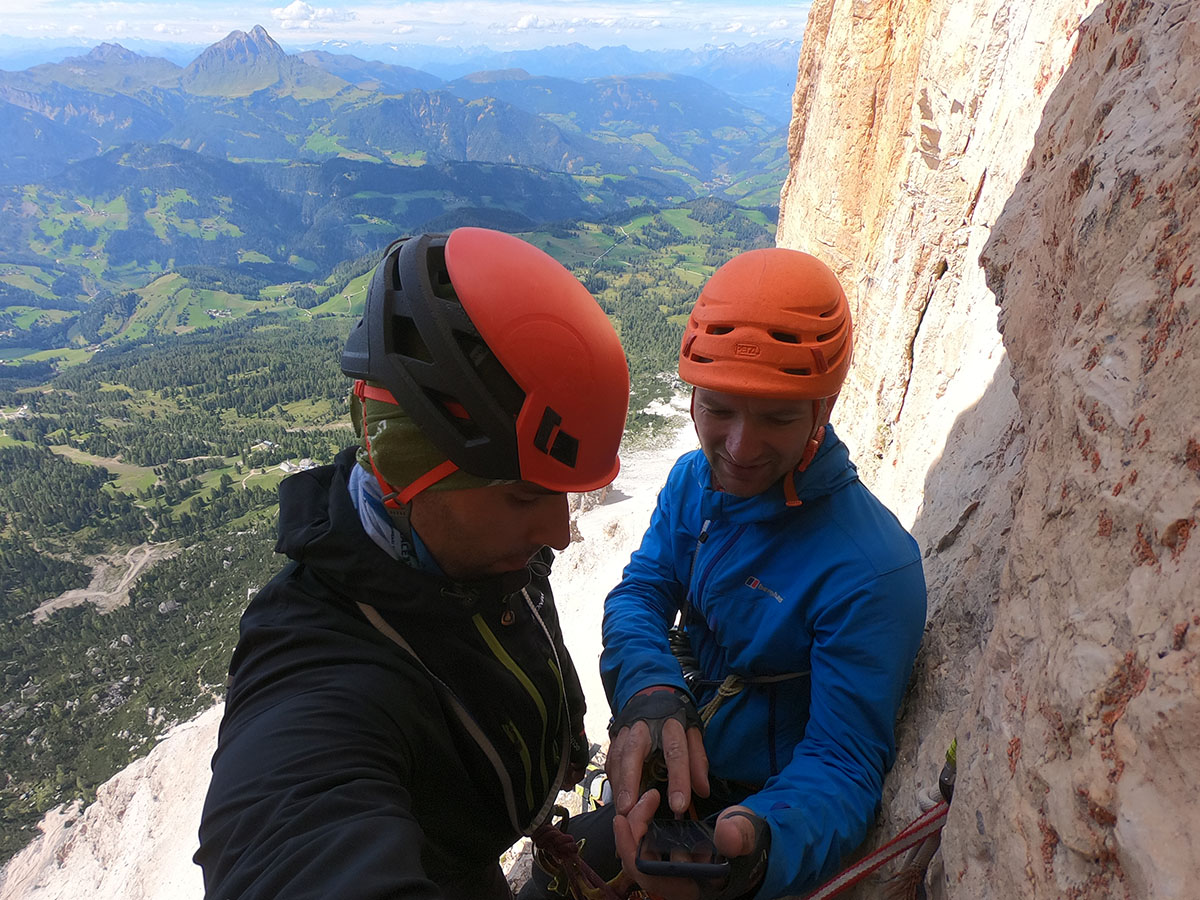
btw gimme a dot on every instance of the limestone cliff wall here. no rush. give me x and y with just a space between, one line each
1010 192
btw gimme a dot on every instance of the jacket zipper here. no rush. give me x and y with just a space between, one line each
698 591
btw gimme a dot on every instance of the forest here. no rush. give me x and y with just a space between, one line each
175 438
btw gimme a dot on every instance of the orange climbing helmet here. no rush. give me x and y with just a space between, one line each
770 323
501 357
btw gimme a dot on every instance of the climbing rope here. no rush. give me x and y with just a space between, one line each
920 839
735 683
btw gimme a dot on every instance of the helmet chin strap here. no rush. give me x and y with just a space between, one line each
821 416
396 500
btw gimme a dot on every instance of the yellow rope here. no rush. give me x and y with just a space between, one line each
730 687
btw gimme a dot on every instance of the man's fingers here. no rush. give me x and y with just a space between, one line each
734 834
698 762
624 764
628 830
675 747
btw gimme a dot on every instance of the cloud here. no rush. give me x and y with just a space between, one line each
164 28
301 15
120 27
403 29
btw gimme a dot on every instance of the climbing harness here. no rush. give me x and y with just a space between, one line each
557 853
920 839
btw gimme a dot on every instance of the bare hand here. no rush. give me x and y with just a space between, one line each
686 762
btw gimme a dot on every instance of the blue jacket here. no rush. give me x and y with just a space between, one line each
833 589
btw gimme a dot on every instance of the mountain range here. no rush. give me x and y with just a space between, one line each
119 165
760 74
244 98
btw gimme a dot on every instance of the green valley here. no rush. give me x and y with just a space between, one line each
179 268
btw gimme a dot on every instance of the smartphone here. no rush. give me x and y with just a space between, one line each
681 848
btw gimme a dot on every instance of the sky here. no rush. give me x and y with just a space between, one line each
500 24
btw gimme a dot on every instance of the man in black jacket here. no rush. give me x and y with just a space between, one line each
401 707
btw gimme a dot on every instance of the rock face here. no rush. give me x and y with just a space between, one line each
136 841
949 157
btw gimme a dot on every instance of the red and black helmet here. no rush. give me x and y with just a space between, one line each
499 355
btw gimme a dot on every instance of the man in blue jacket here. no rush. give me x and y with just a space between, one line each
801 600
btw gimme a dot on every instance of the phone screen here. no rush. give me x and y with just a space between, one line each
681 848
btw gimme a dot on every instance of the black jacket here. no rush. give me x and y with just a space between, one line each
387 733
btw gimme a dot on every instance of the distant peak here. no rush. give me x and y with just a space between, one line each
239 44
107 52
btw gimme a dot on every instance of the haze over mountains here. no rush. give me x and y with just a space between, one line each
271 132
300 106
761 75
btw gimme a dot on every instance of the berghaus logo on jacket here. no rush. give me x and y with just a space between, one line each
753 582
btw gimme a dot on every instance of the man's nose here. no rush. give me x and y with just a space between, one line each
551 523
742 442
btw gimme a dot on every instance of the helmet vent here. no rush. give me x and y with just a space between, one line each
785 337
718 329
506 393
406 339
439 275
801 372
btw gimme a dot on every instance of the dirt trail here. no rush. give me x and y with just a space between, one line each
112 576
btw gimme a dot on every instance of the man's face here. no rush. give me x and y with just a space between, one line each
750 442
486 531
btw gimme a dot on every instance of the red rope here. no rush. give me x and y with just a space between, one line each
924 826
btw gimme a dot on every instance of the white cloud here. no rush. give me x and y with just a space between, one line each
513 23
299 14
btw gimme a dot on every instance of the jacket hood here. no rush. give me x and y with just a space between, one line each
830 470
319 527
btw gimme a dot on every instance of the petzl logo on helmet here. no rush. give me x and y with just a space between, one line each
555 442
747 350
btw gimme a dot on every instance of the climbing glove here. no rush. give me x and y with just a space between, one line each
655 706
